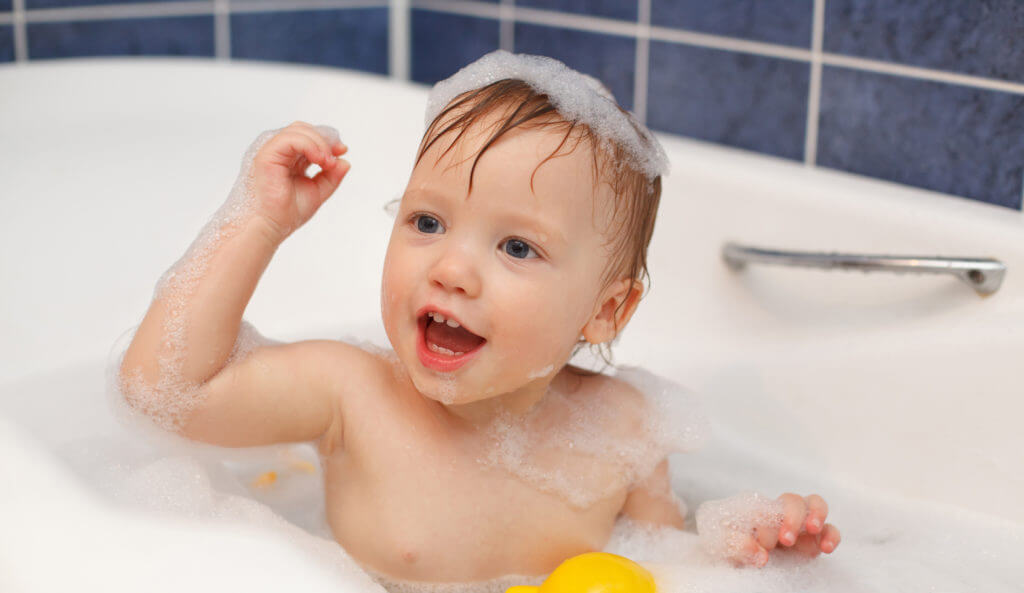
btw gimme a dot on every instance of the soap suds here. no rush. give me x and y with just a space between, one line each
584 447
577 96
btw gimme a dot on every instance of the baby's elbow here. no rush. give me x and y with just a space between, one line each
152 391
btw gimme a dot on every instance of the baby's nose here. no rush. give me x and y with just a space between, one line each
455 272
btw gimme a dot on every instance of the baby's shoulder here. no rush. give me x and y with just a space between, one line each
618 405
640 403
351 363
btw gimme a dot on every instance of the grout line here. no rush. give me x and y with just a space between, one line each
294 5
814 96
731 44
478 9
20 31
119 11
640 72
222 29
922 73
579 22
185 8
399 39
507 32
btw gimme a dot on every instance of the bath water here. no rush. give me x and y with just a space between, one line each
888 544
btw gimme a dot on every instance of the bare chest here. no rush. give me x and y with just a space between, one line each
410 499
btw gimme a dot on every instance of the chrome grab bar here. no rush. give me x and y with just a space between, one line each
985 275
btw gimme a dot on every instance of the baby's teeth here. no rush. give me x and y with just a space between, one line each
442 350
453 323
438 318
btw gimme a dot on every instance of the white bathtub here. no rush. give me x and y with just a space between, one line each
897 397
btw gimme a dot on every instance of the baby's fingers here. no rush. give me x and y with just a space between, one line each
829 538
750 553
794 513
328 180
817 510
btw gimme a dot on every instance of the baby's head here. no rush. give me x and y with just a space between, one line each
526 220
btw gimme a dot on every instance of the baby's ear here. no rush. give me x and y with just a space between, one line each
613 310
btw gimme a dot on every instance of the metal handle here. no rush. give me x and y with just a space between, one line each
985 275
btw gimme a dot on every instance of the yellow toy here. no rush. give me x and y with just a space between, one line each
595 572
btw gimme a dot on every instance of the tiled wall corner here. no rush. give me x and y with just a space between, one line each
928 93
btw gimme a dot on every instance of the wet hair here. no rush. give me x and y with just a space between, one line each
635 196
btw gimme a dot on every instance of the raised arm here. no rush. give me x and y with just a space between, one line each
187 365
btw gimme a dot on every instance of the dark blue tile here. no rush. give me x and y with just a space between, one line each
614 9
980 37
958 140
170 36
355 38
6 44
787 22
443 43
5 6
609 58
31 4
742 100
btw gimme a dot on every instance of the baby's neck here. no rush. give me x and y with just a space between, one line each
516 403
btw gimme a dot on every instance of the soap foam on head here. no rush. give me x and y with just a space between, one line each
577 96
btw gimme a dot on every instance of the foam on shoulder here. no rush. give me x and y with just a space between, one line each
585 445
577 96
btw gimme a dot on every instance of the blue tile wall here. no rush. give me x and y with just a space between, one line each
6 44
172 36
984 38
935 130
742 100
609 58
615 9
945 137
786 22
436 54
355 38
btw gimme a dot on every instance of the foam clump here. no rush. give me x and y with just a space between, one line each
727 526
585 445
577 96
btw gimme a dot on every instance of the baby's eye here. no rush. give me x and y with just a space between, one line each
428 224
519 249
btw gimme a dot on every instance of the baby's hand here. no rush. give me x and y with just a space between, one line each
803 530
745 527
284 196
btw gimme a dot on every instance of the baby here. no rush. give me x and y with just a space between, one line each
474 449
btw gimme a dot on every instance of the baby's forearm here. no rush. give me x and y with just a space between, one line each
192 325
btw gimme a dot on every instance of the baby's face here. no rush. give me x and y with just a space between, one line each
520 269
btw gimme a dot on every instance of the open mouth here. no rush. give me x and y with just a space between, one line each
443 344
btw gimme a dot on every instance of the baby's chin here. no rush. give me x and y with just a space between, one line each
451 389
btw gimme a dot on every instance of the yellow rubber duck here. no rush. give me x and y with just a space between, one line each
594 572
